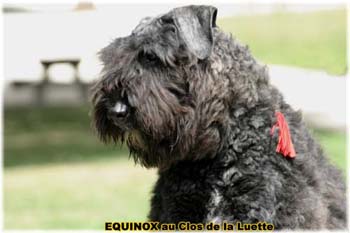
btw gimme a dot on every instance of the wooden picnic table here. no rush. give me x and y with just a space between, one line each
46 64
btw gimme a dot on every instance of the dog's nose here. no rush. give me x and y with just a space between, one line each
120 109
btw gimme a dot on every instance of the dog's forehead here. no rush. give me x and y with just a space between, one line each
143 27
147 25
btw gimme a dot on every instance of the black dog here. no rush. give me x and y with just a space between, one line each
189 99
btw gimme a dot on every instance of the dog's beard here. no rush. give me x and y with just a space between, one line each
150 153
137 146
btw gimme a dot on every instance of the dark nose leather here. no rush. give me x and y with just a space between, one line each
120 109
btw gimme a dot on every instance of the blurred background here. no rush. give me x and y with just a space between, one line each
57 175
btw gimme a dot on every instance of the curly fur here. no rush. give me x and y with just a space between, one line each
205 123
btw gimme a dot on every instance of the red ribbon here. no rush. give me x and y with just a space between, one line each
284 145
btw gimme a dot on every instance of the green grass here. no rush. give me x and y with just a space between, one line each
76 195
314 40
58 176
334 144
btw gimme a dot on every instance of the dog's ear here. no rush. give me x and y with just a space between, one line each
195 26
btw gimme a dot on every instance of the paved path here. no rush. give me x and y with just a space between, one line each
320 96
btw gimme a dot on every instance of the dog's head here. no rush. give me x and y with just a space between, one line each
158 91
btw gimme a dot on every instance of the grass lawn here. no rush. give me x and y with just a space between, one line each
334 144
58 176
314 40
76 195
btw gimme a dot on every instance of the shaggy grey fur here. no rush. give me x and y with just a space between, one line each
191 100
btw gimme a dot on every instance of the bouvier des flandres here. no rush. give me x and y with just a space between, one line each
192 101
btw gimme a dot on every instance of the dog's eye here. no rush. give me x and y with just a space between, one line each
150 57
